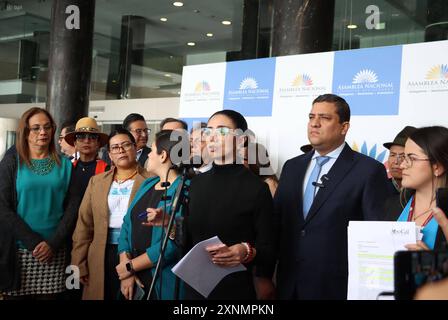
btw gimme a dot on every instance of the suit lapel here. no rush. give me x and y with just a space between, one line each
336 174
299 186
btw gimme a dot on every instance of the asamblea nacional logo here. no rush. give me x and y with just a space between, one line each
202 91
248 88
435 80
248 83
365 76
300 86
366 82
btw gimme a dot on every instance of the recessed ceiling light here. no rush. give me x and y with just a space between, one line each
191 44
178 92
167 75
226 22
352 26
178 4
163 19
209 34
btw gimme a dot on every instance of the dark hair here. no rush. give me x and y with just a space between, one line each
168 120
237 118
342 107
259 149
199 125
165 142
23 130
118 131
434 143
68 125
132 118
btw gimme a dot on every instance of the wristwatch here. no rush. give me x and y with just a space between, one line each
130 267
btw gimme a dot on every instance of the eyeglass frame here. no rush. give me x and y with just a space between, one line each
409 162
207 132
140 131
126 146
87 135
36 129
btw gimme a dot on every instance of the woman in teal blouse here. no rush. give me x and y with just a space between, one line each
425 168
139 246
36 205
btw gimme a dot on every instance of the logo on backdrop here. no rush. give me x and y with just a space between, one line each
436 80
249 87
373 152
301 86
202 91
369 79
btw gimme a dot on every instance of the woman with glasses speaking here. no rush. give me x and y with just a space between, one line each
37 212
101 213
232 203
425 168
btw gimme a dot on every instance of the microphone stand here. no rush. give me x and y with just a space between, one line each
178 199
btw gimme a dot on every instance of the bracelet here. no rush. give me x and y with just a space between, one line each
249 252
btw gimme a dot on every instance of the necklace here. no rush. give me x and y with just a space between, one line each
120 181
42 167
411 216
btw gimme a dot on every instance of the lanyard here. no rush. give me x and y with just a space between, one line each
411 214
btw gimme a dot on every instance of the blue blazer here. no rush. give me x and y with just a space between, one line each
171 253
313 252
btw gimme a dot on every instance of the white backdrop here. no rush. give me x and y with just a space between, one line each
387 89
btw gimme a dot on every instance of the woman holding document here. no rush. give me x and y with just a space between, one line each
234 204
424 171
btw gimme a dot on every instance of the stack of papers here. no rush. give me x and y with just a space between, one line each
371 249
197 269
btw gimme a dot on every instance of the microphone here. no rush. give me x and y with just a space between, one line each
324 179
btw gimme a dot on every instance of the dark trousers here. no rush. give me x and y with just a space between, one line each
111 282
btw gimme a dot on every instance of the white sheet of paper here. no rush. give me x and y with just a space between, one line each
371 249
197 269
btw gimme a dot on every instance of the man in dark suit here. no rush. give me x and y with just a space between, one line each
136 124
318 194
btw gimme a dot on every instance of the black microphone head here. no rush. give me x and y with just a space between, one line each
316 184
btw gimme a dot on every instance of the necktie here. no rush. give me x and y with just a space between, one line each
310 189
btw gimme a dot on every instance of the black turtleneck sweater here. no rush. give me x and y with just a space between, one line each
232 203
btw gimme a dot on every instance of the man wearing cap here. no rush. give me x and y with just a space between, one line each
86 139
393 204
396 157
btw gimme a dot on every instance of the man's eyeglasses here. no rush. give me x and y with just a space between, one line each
146 131
89 136
398 157
409 160
37 129
221 131
116 148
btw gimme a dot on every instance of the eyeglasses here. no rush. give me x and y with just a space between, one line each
37 129
141 131
221 131
116 148
410 159
89 136
399 157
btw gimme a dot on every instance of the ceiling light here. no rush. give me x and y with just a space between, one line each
191 44
209 34
164 19
167 75
352 26
178 4
226 22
